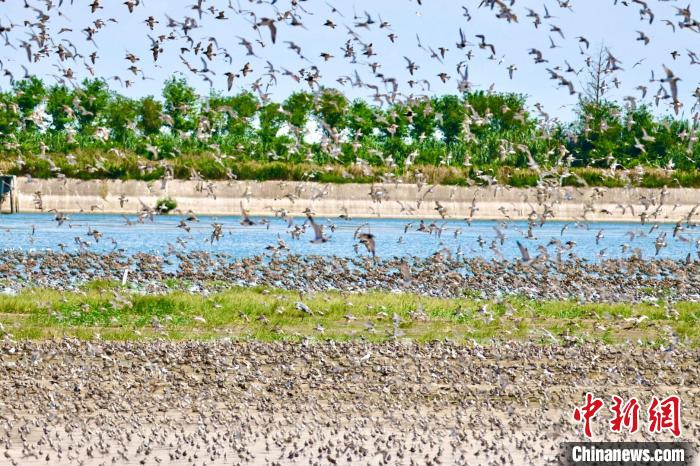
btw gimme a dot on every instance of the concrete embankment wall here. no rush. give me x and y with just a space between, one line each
260 198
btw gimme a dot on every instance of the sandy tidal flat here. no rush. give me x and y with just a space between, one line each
72 402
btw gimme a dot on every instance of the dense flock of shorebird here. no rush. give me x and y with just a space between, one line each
614 280
99 403
554 270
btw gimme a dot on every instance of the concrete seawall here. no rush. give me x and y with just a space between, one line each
390 200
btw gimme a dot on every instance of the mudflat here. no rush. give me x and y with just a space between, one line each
159 402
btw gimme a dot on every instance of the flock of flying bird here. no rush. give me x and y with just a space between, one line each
270 23
649 209
194 403
228 61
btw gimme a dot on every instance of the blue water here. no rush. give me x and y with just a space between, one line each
239 241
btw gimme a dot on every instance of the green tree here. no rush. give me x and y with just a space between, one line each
331 109
29 94
149 116
361 119
396 121
121 115
599 134
92 100
237 111
9 114
503 123
213 110
502 108
299 106
422 119
181 104
271 119
59 104
452 114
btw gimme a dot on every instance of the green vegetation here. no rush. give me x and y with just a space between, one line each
165 205
92 132
113 312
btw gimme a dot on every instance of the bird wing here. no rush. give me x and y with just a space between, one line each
357 231
273 32
499 234
523 252
318 231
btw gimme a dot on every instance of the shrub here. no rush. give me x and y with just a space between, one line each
165 205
